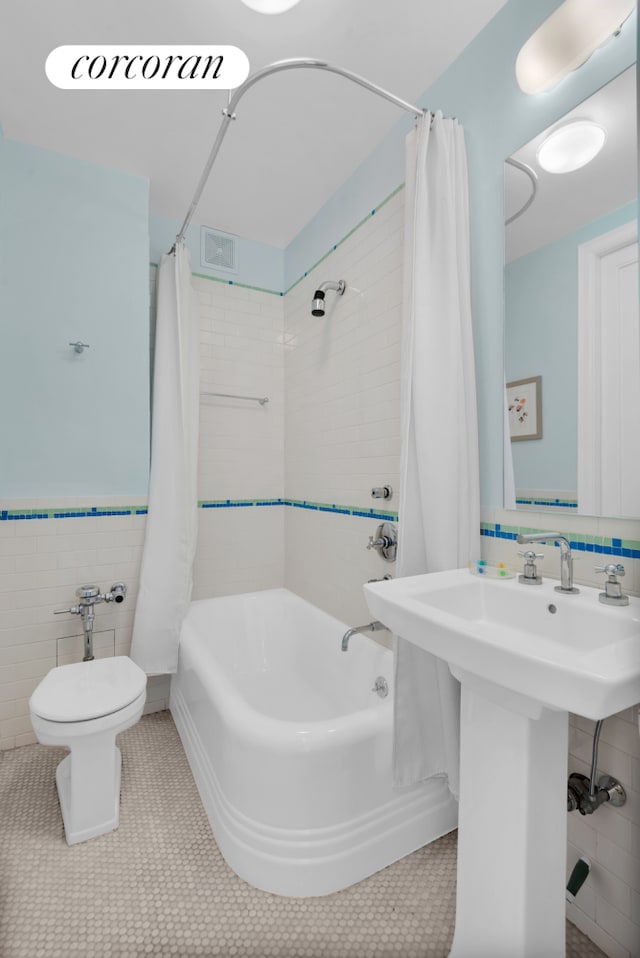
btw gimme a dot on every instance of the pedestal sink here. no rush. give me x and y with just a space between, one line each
525 656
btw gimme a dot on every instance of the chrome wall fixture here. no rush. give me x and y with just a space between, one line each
369 627
89 596
317 304
586 795
382 492
263 400
385 541
79 346
228 113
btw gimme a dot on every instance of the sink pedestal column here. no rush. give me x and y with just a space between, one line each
512 825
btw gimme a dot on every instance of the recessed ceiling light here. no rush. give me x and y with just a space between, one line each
571 146
270 6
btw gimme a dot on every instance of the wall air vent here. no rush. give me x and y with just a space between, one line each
218 250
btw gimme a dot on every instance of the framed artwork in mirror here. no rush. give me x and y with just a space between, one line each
524 406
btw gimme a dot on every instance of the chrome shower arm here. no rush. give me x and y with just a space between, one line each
279 66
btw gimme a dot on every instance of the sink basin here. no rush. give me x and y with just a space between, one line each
568 652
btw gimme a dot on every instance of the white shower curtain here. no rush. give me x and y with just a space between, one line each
170 538
439 522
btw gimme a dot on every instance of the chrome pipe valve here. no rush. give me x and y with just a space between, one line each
385 541
90 596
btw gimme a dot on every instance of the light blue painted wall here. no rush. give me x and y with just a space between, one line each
480 89
74 253
87 227
259 265
541 305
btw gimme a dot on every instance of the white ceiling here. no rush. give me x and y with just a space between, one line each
566 202
298 136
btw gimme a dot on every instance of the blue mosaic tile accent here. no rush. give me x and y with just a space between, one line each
7 515
598 545
547 503
238 503
381 514
594 545
96 512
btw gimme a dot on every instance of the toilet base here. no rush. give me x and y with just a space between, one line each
109 806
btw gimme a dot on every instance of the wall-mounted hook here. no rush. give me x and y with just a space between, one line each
79 346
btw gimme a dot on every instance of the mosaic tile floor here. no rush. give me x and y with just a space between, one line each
158 885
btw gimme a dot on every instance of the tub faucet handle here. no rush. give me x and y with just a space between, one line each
385 541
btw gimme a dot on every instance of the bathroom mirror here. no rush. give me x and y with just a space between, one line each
572 346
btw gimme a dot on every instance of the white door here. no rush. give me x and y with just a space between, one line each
609 375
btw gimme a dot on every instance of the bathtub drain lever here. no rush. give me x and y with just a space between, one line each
381 687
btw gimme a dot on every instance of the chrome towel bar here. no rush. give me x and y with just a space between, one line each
261 399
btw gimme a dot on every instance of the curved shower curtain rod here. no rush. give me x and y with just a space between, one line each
228 114
533 179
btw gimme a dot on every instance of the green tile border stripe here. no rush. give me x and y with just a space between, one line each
579 542
77 512
361 511
274 292
231 282
354 229
546 502
101 511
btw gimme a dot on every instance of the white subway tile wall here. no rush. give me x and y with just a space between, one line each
241 455
342 374
343 370
42 562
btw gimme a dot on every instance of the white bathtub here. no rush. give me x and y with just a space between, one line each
291 748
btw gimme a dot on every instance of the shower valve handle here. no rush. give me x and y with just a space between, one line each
383 542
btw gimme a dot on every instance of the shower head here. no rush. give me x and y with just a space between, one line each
317 304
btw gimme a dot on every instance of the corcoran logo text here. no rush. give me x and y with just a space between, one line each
147 67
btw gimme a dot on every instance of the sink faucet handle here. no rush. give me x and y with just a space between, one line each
530 574
613 568
612 594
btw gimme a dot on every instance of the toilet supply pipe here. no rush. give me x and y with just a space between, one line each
89 596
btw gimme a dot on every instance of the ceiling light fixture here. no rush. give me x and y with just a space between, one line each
567 39
270 6
571 146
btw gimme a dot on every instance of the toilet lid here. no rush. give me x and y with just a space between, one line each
88 690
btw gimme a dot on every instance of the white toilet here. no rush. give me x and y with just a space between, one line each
84 706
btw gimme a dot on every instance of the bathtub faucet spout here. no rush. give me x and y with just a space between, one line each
370 627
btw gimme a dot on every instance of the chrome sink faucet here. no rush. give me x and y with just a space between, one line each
566 559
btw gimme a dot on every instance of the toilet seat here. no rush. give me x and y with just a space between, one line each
86 691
